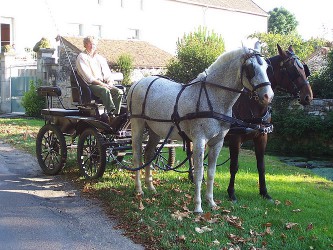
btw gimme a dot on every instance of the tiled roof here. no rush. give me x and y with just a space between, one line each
144 54
246 6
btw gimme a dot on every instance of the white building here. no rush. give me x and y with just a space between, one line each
159 22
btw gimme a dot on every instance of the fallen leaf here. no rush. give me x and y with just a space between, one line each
290 225
309 227
141 206
215 243
181 238
203 229
180 215
234 221
288 203
277 202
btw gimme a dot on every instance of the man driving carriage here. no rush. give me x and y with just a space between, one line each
94 70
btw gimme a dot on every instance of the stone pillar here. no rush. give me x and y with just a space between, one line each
7 59
46 67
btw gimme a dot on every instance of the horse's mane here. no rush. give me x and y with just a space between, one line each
222 59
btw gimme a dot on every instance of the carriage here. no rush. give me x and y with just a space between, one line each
200 110
85 129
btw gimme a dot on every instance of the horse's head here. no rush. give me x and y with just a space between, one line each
254 68
289 74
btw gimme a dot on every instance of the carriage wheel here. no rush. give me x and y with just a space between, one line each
91 154
51 149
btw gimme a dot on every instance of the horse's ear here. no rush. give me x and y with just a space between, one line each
257 46
291 49
281 52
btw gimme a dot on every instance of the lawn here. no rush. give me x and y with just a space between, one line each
299 218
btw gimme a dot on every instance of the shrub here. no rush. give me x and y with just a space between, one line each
195 52
125 65
33 103
299 133
322 81
42 43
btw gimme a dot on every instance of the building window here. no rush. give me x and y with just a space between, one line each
74 29
6 31
133 34
5 34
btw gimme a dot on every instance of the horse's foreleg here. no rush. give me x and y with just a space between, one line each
149 154
260 143
234 147
198 155
137 131
213 153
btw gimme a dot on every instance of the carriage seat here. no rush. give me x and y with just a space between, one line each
49 91
81 92
60 112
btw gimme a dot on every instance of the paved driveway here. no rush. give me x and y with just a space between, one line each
43 212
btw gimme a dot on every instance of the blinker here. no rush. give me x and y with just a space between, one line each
249 71
306 70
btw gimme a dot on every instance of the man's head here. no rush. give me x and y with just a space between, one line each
90 44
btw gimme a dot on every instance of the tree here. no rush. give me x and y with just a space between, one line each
125 65
281 21
302 48
195 52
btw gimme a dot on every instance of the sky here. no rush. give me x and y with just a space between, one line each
315 18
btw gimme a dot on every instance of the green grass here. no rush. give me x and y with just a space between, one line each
300 217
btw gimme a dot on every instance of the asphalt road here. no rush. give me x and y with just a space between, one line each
43 212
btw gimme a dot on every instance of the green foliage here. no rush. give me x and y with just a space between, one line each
195 52
125 65
322 82
281 21
42 43
302 48
6 48
297 132
33 103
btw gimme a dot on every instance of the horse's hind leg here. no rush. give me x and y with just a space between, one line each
137 128
149 155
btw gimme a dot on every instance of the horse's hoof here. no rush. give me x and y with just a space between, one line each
198 210
267 197
233 198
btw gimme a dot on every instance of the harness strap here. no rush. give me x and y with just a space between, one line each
144 101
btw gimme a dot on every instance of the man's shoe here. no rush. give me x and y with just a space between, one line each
104 118
117 122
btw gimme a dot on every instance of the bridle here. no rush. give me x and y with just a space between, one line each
249 70
291 66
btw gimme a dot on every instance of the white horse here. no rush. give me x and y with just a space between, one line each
200 110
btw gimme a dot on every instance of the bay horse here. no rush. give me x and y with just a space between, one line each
285 72
201 111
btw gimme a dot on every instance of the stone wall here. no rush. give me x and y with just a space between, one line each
319 107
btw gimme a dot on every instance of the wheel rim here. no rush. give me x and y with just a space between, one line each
51 150
91 156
